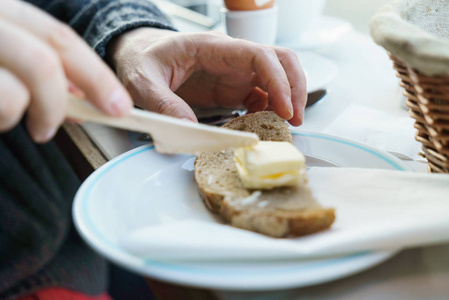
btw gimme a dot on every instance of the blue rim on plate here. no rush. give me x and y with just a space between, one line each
180 273
392 161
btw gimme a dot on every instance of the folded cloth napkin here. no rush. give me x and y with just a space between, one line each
375 209
390 132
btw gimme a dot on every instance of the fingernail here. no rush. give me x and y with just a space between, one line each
290 108
119 103
190 120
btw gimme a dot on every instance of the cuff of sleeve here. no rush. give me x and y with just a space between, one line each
120 17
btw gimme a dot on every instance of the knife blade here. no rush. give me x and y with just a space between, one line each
170 135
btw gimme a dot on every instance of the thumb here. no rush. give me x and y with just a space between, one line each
165 102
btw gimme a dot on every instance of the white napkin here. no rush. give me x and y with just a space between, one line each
390 132
375 209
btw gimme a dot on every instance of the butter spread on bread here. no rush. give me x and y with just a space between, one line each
268 164
277 212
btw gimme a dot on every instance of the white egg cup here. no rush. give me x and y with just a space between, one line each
259 26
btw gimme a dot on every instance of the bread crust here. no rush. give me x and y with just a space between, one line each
280 223
222 192
211 200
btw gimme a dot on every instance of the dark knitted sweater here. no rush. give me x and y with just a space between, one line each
38 245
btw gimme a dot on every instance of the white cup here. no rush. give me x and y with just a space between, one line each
259 26
296 17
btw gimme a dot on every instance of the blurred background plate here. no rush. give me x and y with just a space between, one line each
328 31
320 71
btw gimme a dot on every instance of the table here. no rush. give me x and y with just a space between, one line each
365 77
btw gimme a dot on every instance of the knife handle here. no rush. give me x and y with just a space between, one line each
82 110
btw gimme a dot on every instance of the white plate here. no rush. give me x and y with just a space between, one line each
320 71
328 31
142 187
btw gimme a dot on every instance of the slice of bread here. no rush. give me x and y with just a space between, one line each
280 212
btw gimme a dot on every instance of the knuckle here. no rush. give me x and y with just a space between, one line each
61 36
47 62
219 34
266 52
167 106
287 52
289 56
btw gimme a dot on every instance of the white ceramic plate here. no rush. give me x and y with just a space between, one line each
328 31
142 187
320 71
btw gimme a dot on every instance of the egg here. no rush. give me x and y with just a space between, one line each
248 4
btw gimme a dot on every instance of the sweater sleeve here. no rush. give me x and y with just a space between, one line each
36 191
99 21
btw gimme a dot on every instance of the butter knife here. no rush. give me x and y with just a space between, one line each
170 135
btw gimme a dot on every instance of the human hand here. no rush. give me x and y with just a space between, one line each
167 72
39 58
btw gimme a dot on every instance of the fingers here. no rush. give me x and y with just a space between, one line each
257 100
244 56
297 80
156 96
171 105
278 72
38 67
272 78
14 99
81 65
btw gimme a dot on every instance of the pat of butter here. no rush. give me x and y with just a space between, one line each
270 164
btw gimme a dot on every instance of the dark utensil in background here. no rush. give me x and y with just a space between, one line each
316 96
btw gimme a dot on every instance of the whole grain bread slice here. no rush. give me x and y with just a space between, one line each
281 212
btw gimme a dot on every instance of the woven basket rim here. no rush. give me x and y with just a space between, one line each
421 50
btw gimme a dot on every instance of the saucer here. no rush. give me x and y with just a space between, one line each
320 71
328 31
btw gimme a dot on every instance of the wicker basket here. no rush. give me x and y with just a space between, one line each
421 60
